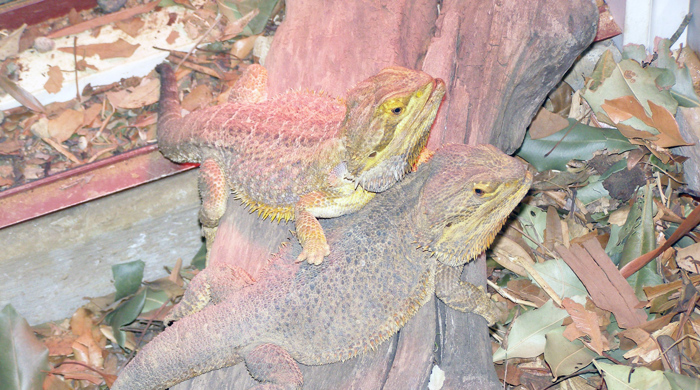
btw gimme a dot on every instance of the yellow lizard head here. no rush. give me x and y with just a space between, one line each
387 124
469 195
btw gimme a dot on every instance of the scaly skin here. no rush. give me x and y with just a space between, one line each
300 155
375 279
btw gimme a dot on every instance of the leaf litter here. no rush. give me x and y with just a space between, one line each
608 192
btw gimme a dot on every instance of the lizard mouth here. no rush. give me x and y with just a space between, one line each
475 234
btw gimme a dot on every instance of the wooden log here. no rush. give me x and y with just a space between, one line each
499 59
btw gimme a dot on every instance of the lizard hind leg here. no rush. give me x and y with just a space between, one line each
274 367
464 296
209 287
214 190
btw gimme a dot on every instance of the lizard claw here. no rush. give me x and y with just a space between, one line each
314 254
496 312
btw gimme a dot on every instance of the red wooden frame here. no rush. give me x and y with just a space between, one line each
16 13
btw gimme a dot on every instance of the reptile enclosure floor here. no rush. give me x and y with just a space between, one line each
49 264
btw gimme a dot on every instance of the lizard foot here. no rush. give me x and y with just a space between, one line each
314 253
494 312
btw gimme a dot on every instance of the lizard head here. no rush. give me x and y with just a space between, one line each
466 200
387 123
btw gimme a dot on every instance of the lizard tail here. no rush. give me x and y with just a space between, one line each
188 348
169 110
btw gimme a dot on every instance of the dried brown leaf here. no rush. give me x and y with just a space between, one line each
505 249
61 344
608 289
144 94
200 97
546 124
174 35
118 49
669 135
63 127
688 258
587 322
9 46
20 94
243 46
55 81
91 116
9 146
553 231
624 108
130 26
87 350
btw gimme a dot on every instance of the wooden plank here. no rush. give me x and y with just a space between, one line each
85 183
16 13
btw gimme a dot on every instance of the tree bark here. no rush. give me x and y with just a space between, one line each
499 59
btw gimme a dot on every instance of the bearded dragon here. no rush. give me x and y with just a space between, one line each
388 259
300 155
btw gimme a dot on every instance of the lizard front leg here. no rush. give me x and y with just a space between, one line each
309 230
464 296
214 190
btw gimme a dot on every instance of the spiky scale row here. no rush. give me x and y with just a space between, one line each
371 285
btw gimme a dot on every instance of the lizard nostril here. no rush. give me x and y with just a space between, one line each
372 155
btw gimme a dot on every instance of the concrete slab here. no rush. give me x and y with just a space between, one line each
49 264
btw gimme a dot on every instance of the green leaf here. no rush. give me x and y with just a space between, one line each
527 335
640 240
634 52
619 377
565 357
199 260
533 220
560 277
592 191
24 360
125 314
613 249
127 278
579 144
154 300
682 89
239 8
628 79
682 382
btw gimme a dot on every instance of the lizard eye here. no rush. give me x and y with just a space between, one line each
373 154
396 110
479 192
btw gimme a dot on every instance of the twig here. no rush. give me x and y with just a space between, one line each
101 152
571 127
75 68
540 280
506 295
61 149
680 29
102 20
685 227
216 21
104 124
194 66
